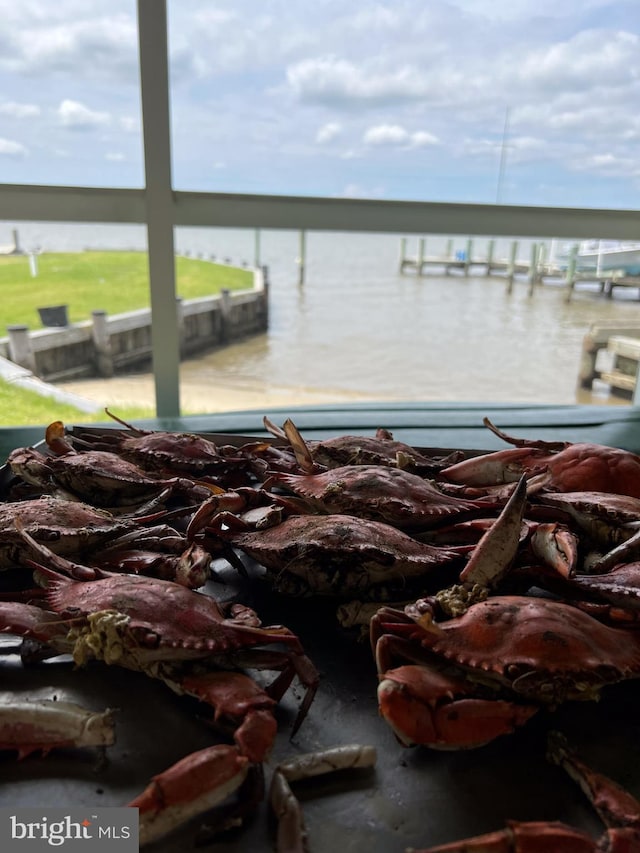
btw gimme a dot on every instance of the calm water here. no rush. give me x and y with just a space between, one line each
357 326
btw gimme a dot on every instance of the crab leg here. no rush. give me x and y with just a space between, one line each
188 788
238 700
529 837
615 806
291 834
48 724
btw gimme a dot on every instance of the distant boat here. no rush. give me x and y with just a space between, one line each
603 256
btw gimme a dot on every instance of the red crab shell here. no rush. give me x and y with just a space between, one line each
166 620
575 468
342 554
382 493
544 650
67 527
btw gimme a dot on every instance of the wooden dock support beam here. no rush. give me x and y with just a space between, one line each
467 256
511 270
490 249
301 260
421 256
533 268
256 248
570 279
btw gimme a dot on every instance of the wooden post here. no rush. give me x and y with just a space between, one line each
403 253
20 349
256 248
420 259
511 271
102 343
225 314
301 256
449 252
467 256
570 279
532 267
490 248
181 324
542 261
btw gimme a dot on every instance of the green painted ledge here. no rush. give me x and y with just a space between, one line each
446 425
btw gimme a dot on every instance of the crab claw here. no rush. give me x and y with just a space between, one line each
193 785
46 724
428 708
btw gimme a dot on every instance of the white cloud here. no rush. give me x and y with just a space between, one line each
394 134
330 80
420 138
328 132
595 57
85 43
114 156
77 116
386 134
15 110
9 148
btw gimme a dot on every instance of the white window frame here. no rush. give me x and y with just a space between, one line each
161 209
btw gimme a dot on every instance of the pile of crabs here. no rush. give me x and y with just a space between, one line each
490 586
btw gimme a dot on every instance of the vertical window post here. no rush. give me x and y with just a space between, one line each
156 123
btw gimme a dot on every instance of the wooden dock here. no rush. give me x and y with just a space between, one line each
536 270
619 344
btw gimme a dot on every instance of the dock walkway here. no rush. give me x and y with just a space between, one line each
537 270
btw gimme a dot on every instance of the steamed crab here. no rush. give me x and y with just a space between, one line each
382 493
338 555
121 544
172 633
96 476
462 682
187 640
381 449
168 453
568 466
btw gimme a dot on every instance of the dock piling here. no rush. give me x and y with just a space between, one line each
511 270
421 255
533 268
490 249
301 256
467 256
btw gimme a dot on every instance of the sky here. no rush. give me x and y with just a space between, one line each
513 101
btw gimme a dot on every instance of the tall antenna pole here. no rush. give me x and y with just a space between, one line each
503 157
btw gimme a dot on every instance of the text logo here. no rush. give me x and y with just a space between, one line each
33 830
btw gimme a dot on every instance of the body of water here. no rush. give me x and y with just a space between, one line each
356 326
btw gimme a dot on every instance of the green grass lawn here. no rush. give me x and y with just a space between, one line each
22 407
114 282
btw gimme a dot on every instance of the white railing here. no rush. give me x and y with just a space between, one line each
161 209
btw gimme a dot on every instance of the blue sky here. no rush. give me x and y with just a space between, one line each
395 100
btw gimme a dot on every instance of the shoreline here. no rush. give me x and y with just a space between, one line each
138 390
